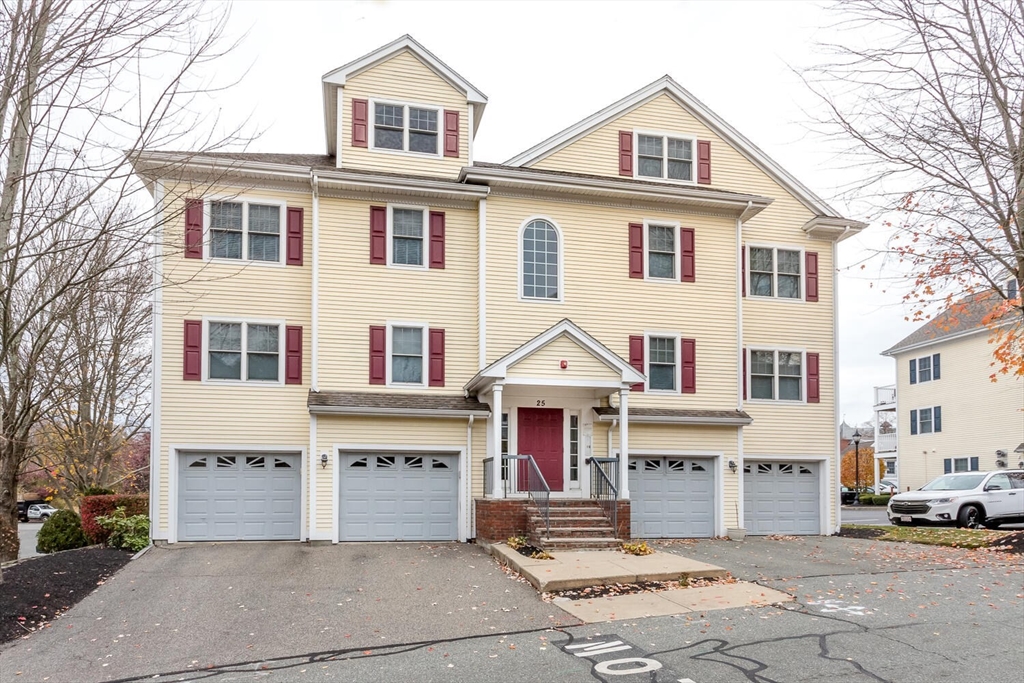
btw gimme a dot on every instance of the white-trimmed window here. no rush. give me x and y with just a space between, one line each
245 230
406 127
775 272
661 246
540 261
926 420
776 375
663 366
242 351
407 350
407 226
574 447
665 156
925 368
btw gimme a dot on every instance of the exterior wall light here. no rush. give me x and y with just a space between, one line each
323 460
732 466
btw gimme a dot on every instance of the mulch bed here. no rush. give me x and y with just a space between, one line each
40 589
1011 543
850 532
614 589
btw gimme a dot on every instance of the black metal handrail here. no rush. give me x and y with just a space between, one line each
536 486
603 490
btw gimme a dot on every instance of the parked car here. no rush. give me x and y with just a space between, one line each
967 499
887 486
40 512
24 505
848 496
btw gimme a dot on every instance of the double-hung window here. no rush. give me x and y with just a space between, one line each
540 256
775 272
249 352
925 368
405 127
244 230
664 156
406 355
663 363
776 375
662 252
406 226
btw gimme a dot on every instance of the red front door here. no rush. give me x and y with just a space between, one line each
540 435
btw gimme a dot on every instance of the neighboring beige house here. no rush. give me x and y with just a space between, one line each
348 344
950 416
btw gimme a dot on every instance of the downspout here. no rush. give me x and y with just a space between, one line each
835 380
314 353
740 275
468 492
482 284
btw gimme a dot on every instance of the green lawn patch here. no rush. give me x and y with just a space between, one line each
929 535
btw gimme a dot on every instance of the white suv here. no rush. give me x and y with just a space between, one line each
967 499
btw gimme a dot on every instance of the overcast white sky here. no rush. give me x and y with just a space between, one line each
546 65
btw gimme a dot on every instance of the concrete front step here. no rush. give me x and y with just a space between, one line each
579 543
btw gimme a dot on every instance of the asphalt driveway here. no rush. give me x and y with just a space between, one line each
188 607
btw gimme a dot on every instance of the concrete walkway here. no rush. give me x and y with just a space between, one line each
585 568
675 601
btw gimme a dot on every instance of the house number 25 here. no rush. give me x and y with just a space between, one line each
541 402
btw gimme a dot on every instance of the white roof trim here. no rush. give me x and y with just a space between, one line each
676 419
666 84
395 412
406 42
498 370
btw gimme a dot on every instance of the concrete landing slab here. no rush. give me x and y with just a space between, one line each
670 602
584 568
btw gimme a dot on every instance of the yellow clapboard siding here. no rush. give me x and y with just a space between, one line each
355 294
245 414
546 363
403 79
601 298
978 416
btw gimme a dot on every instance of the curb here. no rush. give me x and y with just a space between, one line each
141 552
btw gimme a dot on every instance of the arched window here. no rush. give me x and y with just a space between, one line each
540 276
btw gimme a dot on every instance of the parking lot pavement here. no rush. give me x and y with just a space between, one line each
27 536
863 611
864 514
190 606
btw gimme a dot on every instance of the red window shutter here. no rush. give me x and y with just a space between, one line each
689 353
744 373
636 250
451 133
194 228
360 123
704 162
813 378
294 236
636 358
437 239
743 269
811 275
687 261
626 152
293 354
436 343
193 360
378 354
378 234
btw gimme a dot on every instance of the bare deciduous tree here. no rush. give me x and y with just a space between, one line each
85 87
930 94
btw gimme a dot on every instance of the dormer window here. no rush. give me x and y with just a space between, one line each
406 128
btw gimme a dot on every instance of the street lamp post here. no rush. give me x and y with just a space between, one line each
856 465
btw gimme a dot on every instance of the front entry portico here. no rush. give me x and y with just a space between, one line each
541 435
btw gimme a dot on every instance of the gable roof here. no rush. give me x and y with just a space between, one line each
962 318
498 370
334 79
666 85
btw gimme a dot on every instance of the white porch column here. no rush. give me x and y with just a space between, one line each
494 449
624 443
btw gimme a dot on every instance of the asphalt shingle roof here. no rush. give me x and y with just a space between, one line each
421 401
963 316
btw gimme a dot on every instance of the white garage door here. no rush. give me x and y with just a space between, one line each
672 497
781 498
399 497
238 497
